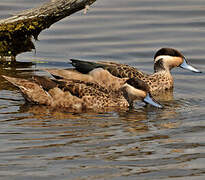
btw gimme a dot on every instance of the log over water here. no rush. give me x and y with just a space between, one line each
17 31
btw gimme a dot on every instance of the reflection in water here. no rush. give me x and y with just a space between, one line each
119 141
138 120
166 96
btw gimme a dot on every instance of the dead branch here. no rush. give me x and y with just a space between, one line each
16 31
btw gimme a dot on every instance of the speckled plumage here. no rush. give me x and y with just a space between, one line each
71 95
98 75
105 91
160 82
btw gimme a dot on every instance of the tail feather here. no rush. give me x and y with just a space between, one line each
31 91
15 81
85 66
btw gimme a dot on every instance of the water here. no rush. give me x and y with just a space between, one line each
37 143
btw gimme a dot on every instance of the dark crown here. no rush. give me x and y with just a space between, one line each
168 51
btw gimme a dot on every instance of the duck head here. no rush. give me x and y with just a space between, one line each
168 58
136 89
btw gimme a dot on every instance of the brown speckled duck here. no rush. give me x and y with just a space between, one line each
161 81
78 95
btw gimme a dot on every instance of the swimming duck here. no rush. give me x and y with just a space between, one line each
77 95
161 81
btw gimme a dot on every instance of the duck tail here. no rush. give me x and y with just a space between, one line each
15 81
85 66
31 91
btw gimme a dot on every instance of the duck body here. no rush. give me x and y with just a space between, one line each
160 82
76 95
73 96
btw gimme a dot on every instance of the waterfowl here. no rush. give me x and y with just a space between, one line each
160 82
98 75
77 95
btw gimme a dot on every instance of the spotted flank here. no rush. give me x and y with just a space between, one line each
160 82
76 95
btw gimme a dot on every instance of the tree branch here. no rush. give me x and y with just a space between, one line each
16 31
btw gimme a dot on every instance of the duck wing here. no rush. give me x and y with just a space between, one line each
98 76
69 74
76 87
116 69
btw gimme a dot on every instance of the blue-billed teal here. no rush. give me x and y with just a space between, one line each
161 81
79 95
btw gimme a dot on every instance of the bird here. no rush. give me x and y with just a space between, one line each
79 95
160 82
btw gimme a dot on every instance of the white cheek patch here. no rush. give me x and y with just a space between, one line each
165 57
133 92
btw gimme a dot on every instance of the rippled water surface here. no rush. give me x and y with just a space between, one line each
142 144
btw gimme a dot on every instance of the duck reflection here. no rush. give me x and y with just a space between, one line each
135 121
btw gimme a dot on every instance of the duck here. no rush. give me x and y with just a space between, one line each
78 95
160 82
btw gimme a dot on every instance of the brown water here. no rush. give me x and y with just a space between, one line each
142 144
